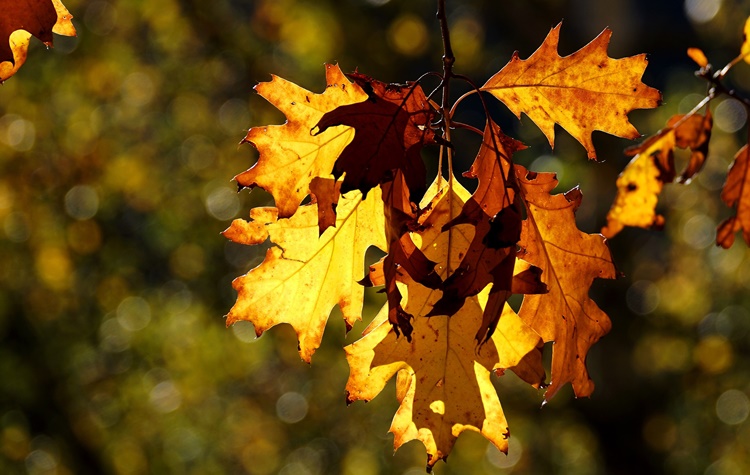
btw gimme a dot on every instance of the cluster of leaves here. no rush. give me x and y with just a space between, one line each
642 180
21 20
453 258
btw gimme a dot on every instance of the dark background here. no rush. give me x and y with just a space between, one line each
117 150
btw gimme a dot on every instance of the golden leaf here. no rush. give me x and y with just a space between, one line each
745 50
443 381
641 182
290 156
582 92
638 189
570 261
303 276
697 55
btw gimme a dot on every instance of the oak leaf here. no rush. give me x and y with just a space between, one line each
303 276
20 19
570 261
443 382
582 92
290 156
391 129
641 182
403 254
736 194
494 212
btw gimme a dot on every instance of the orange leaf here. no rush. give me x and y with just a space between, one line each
583 92
736 194
22 19
303 276
494 212
641 182
697 55
290 156
570 261
443 383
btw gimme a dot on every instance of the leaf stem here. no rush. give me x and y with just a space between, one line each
448 60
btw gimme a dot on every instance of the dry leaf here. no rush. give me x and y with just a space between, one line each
582 92
570 261
697 55
641 182
391 129
290 156
22 19
494 212
304 276
736 194
443 381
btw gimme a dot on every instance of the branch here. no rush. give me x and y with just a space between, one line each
448 58
717 86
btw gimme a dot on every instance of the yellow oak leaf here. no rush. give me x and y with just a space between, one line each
20 20
303 276
582 92
638 189
290 156
570 261
641 182
443 382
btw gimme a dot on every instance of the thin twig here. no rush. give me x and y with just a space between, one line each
448 60
717 86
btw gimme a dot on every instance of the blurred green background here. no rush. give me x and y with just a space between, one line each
117 150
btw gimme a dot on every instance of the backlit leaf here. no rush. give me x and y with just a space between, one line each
303 276
290 156
21 19
570 261
443 381
391 129
641 182
736 194
582 92
494 212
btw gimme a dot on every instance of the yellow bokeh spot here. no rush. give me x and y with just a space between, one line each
15 443
305 32
84 237
714 354
360 462
467 38
110 292
656 354
408 35
260 457
127 457
54 268
187 261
